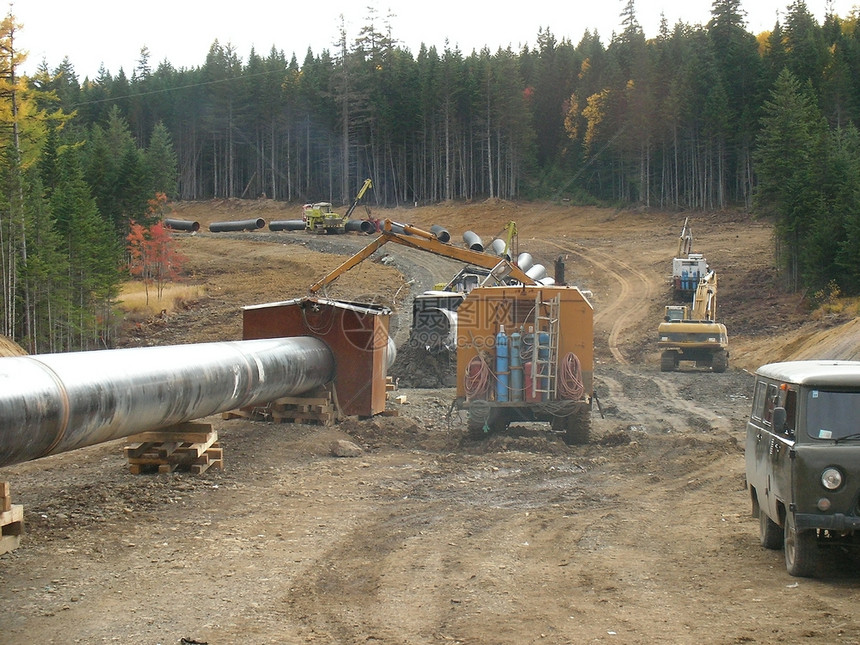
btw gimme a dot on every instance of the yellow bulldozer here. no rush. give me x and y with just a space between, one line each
320 218
692 333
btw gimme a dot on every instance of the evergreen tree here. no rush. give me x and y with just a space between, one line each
787 156
159 162
838 234
94 258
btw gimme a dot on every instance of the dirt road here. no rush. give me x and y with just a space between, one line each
642 536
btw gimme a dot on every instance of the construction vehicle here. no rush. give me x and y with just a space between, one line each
320 218
687 267
434 312
525 351
692 334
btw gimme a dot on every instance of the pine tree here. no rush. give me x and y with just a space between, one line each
93 258
788 154
159 162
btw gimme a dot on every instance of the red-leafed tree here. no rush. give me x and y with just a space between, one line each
153 257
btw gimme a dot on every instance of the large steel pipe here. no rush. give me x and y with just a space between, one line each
473 241
537 272
287 225
182 225
525 261
239 225
52 403
499 247
368 227
441 233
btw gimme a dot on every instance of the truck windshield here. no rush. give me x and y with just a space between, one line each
832 415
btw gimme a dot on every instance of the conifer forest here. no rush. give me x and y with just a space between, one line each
701 117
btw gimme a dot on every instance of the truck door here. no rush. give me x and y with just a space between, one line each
757 443
779 462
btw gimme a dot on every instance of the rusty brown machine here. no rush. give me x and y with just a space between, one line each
525 351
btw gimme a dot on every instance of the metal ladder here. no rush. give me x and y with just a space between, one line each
544 370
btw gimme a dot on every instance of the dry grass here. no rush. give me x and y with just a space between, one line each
133 299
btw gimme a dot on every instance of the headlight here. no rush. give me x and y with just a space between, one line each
831 478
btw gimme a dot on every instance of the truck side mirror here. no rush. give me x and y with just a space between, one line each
779 418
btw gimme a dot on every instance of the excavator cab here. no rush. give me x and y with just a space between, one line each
675 313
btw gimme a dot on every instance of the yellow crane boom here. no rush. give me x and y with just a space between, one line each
422 240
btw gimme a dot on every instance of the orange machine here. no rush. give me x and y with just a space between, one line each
526 353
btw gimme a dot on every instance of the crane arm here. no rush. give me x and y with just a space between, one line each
422 240
367 184
685 240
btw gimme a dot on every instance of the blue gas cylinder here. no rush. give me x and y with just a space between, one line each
516 349
502 373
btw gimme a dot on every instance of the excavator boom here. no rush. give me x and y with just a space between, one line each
422 240
705 299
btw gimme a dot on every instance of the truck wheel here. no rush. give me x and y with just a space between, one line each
482 421
578 427
668 361
801 549
769 532
720 361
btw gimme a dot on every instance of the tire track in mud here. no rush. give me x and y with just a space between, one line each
628 305
638 394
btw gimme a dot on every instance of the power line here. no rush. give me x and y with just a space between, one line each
174 89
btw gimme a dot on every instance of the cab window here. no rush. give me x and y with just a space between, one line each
832 415
770 403
790 411
758 400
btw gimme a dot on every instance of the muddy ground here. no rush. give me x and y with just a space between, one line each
642 536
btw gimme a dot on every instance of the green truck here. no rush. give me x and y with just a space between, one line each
803 458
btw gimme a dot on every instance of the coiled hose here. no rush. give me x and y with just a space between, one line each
570 385
477 379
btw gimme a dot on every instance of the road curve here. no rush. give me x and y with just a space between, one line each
626 305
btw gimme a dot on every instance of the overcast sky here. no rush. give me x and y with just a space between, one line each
111 32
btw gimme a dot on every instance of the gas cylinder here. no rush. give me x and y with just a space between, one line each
502 373
516 366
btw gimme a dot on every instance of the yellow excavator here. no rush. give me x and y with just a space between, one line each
692 333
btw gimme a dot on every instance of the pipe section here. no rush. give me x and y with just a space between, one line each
52 403
441 233
182 225
287 225
498 247
537 272
525 261
473 241
352 226
368 227
238 225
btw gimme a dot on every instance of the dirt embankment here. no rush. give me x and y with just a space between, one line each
642 536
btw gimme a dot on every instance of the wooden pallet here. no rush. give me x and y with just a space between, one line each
318 407
189 447
11 521
318 410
